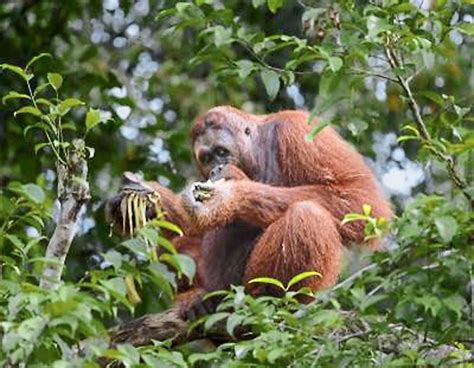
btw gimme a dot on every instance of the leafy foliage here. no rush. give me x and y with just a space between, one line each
41 325
367 68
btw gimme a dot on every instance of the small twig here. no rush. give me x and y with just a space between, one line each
461 362
472 299
416 74
302 4
51 144
379 57
420 124
271 67
354 276
318 355
355 334
374 74
375 289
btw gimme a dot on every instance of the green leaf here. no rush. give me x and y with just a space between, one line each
41 88
274 5
149 234
137 246
312 115
30 329
116 284
168 226
186 264
34 192
31 192
17 70
45 260
216 293
403 8
233 321
162 277
353 217
166 244
430 303
276 353
14 95
333 87
366 209
467 28
214 318
455 303
35 221
114 258
222 36
371 300
257 3
404 138
40 146
189 11
200 357
312 134
6 207
165 13
335 63
41 126
268 280
36 58
271 81
245 68
28 110
92 119
203 2
15 241
302 276
447 227
69 103
433 96
376 25
56 80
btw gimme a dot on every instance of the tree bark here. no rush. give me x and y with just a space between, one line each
169 325
160 326
73 193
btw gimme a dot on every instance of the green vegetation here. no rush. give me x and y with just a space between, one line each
91 90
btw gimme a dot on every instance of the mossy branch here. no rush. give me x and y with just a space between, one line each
73 193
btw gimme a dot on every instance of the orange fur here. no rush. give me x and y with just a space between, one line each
279 211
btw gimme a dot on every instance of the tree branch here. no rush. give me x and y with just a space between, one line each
142 331
354 276
374 74
170 326
420 124
73 193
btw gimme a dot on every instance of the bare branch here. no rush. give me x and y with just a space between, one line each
73 193
354 276
271 67
374 74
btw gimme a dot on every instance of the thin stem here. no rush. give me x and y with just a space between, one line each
271 67
56 153
354 276
60 129
374 74
421 126
471 281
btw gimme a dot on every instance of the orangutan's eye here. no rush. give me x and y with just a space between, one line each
222 152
